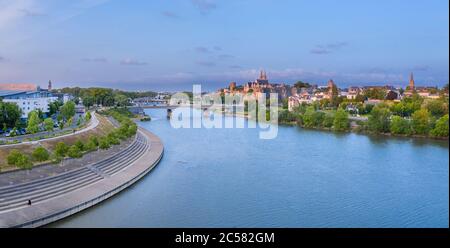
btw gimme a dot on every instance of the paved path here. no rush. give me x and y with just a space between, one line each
60 196
92 124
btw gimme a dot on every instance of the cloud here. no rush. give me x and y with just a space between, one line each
95 60
32 13
421 68
235 67
201 49
328 48
9 12
205 6
218 48
206 63
129 61
225 56
170 14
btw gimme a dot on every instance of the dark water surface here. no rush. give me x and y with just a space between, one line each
303 178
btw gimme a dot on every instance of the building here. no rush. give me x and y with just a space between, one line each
411 82
35 99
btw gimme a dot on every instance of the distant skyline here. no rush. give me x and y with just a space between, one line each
170 45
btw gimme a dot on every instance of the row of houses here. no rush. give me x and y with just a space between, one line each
314 93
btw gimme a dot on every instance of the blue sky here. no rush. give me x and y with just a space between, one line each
171 44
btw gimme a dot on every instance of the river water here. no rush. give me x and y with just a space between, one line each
303 178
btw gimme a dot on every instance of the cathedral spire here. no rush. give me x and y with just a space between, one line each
411 81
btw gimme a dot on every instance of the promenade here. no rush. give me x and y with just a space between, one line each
60 196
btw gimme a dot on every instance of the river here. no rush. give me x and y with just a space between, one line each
303 178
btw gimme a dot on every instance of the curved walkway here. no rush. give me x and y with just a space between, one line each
92 124
60 196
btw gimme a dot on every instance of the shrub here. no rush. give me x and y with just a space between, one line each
18 159
61 149
88 116
74 152
441 129
399 125
94 140
328 120
132 130
104 143
113 140
40 154
379 119
13 156
90 146
341 122
80 145
421 122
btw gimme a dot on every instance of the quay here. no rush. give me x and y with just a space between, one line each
63 195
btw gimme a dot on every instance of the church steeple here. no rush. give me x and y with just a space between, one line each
411 81
49 85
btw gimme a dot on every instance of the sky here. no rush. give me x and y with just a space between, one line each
168 45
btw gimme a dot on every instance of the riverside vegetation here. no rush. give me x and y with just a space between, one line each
62 150
412 116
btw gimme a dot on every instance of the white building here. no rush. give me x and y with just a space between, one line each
29 101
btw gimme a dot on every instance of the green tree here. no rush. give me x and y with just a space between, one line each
79 144
61 149
49 124
400 125
16 158
421 122
54 107
308 117
68 110
33 122
10 114
379 120
441 128
94 139
375 93
301 84
12 156
74 152
121 100
90 146
328 120
40 154
88 116
341 122
437 107
88 101
104 143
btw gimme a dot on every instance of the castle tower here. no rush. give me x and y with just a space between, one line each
411 82
49 85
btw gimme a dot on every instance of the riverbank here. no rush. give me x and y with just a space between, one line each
351 130
109 182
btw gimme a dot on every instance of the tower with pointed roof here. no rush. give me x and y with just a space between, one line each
49 85
411 82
